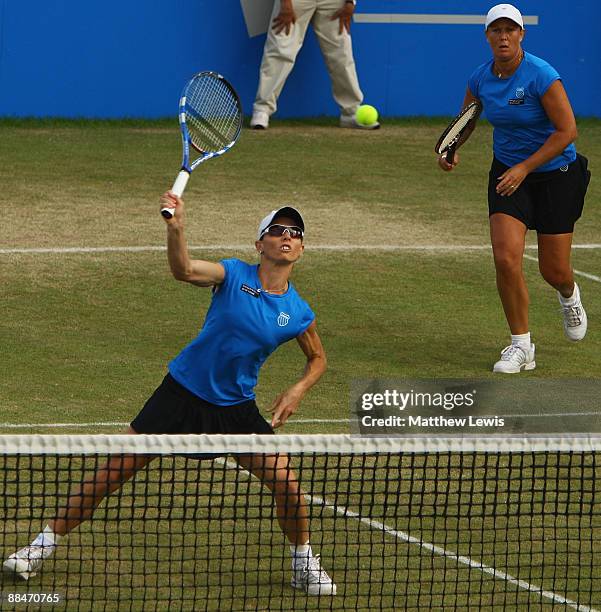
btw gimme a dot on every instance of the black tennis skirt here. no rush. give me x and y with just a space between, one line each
548 202
172 409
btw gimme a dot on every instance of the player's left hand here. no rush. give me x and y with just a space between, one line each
511 179
283 406
344 15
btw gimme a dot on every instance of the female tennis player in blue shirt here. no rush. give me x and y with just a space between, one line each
210 385
536 181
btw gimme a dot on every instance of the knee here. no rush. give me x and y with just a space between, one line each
287 491
281 48
555 275
338 64
276 57
507 261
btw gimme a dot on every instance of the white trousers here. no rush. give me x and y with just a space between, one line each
281 50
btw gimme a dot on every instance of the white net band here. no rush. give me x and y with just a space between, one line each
335 443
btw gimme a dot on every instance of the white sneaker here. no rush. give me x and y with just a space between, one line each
349 121
574 316
259 121
26 563
514 359
311 578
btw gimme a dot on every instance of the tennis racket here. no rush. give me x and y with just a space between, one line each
210 118
457 132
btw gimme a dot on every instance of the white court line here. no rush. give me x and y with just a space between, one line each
448 554
316 247
58 425
577 272
543 415
246 247
437 550
290 422
118 424
430 18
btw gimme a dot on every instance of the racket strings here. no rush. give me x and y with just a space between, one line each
213 113
455 131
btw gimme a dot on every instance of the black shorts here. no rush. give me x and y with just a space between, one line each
548 202
172 409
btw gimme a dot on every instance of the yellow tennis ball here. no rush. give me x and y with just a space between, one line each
366 115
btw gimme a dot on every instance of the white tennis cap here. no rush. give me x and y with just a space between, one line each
504 10
285 211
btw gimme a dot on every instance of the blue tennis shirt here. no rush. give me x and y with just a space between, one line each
243 326
514 108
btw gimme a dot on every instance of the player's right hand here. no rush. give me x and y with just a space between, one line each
444 164
171 201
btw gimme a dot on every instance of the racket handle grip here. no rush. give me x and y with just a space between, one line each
178 188
450 156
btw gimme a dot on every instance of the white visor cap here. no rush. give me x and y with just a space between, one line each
507 11
285 211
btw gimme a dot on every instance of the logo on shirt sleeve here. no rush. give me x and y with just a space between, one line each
283 319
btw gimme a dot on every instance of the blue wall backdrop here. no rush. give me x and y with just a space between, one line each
130 58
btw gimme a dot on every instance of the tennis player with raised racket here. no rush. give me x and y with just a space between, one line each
537 180
210 385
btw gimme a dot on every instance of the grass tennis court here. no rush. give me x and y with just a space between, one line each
86 335
89 335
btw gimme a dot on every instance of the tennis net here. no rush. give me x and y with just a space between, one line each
398 524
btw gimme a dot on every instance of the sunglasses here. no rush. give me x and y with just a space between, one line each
278 230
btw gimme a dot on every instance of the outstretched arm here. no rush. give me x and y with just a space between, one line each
195 271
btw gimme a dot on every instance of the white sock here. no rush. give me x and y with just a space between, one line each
47 538
570 301
301 552
522 340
